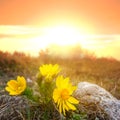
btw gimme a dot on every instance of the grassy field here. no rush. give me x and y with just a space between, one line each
103 71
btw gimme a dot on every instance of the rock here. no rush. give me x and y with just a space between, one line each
97 101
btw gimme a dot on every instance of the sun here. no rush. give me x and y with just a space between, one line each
63 35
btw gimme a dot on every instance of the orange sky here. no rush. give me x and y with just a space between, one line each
102 15
29 25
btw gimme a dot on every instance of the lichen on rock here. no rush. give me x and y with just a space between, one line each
97 101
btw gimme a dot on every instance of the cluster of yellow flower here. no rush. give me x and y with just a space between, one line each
16 87
62 93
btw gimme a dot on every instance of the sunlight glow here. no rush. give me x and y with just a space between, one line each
62 35
60 39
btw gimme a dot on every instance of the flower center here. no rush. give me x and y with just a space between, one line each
19 88
65 94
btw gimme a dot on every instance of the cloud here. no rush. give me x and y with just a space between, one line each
31 39
19 30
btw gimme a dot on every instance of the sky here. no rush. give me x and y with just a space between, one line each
31 25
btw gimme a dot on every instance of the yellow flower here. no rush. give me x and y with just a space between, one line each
62 95
16 87
49 70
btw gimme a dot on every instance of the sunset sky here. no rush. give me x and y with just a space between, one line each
31 25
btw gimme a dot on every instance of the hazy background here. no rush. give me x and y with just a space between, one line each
26 25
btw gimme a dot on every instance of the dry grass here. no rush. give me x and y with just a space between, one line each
12 108
20 108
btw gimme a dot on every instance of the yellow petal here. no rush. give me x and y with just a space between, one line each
58 102
11 92
60 106
14 93
65 82
65 107
12 84
58 81
56 69
70 106
73 100
61 82
21 83
21 80
71 89
56 95
8 89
